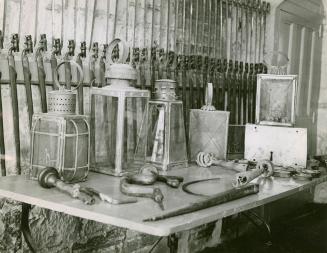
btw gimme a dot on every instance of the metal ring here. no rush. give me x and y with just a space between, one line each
79 69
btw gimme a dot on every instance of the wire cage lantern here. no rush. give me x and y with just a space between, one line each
118 118
61 138
166 148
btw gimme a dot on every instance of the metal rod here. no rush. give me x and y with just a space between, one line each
40 71
56 50
68 70
214 200
14 100
2 141
80 90
27 76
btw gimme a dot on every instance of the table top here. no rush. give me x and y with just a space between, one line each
131 215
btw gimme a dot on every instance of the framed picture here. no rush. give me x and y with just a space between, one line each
275 100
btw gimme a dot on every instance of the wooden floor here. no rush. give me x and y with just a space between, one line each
305 233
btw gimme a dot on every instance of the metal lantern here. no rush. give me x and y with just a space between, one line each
166 146
118 120
208 131
60 138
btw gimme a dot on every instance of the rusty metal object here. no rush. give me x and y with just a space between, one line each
2 141
150 171
27 75
40 71
264 168
129 188
207 159
14 100
80 91
106 198
49 178
56 51
302 176
217 199
69 54
282 173
1 40
94 58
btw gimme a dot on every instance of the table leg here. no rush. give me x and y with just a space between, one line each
172 242
24 225
267 228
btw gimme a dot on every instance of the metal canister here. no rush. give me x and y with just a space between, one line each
165 89
63 101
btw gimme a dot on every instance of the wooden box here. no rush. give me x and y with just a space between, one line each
275 100
208 132
288 145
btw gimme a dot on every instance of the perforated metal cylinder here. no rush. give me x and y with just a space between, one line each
62 102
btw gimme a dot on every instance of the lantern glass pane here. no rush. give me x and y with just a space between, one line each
124 134
104 121
45 146
177 148
141 121
156 133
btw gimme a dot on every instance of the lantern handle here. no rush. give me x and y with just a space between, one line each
79 68
123 51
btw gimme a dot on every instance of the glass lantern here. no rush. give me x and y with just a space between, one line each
166 147
118 122
60 138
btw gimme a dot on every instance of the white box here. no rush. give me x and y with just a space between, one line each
289 145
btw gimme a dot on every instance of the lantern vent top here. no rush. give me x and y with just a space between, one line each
165 89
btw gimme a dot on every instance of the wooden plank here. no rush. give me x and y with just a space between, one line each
12 19
3 15
81 14
173 25
112 20
68 22
89 20
291 52
121 20
44 20
301 71
163 24
140 23
311 70
28 18
131 23
57 19
100 21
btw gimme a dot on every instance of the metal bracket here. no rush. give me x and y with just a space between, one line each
172 242
24 225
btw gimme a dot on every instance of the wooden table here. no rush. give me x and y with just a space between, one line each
131 215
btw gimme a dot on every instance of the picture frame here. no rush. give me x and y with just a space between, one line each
275 99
